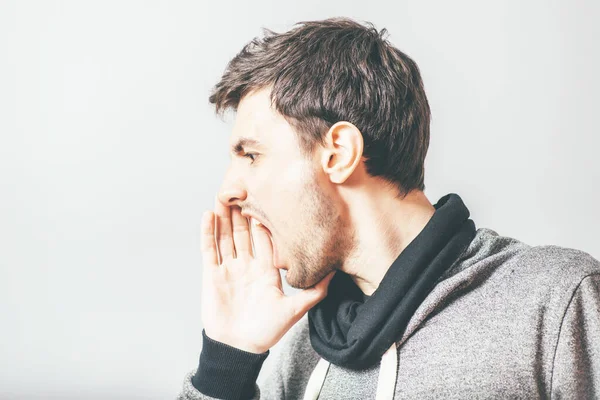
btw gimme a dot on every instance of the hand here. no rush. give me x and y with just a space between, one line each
243 304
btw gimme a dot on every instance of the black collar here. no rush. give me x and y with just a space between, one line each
348 331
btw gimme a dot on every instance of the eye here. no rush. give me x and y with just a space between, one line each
251 156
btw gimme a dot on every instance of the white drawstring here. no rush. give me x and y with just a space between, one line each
388 372
315 382
386 383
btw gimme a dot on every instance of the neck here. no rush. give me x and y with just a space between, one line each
384 226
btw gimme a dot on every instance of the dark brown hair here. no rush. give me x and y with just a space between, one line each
322 72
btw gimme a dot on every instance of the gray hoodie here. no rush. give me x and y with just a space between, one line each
506 320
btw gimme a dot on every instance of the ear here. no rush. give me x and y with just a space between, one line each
342 151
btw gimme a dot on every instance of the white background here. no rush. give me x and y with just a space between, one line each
110 152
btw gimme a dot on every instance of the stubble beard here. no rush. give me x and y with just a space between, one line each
324 243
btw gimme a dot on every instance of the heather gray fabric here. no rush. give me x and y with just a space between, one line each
507 320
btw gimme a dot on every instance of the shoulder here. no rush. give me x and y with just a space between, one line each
543 263
560 265
546 275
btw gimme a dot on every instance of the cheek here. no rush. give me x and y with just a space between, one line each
293 174
279 189
286 186
277 176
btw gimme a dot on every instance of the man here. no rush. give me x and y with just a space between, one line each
401 298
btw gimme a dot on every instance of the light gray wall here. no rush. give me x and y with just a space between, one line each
109 153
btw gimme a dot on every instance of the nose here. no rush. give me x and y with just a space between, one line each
231 195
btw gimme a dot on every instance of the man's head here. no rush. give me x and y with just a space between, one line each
326 109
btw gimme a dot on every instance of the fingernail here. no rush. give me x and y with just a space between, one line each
255 222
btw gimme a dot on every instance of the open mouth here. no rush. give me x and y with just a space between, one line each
276 260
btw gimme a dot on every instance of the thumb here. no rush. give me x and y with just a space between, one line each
308 298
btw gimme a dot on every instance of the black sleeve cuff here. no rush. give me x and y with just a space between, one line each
226 372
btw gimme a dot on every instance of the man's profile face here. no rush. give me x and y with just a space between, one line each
273 182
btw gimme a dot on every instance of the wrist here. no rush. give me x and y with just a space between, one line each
233 342
226 372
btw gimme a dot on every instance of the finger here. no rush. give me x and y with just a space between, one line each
224 234
241 233
262 244
308 298
208 245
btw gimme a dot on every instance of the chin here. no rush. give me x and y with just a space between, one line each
300 282
292 280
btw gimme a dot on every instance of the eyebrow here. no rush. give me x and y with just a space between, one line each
242 142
